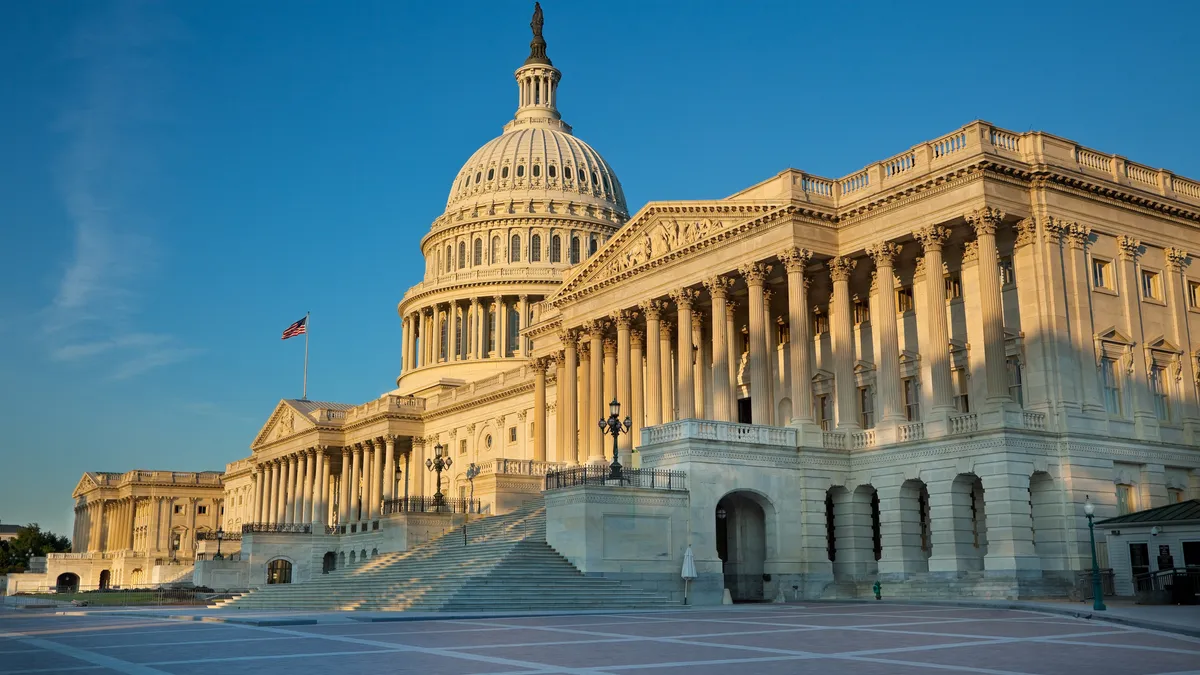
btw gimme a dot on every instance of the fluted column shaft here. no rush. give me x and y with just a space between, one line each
416 468
584 403
377 481
310 472
501 323
356 472
887 376
755 275
539 410
280 489
843 343
389 468
666 372
699 364
685 392
523 311
344 488
560 415
258 494
932 239
734 356
718 288
289 514
636 384
624 368
653 368
799 340
772 356
596 402
568 393
985 222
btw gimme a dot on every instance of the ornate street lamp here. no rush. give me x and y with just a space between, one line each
613 425
1089 510
220 537
438 464
472 472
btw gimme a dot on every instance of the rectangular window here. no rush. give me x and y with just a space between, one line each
1111 384
1151 285
820 324
953 287
1015 392
1193 294
1159 389
912 400
904 299
1125 500
512 434
862 310
1139 559
1007 278
866 408
822 413
179 508
962 389
201 510
1175 496
1102 276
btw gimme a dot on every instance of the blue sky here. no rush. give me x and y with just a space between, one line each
180 181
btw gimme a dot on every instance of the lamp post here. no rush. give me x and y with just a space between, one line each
472 472
439 462
613 425
1089 510
220 537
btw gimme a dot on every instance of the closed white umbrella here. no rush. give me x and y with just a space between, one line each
689 571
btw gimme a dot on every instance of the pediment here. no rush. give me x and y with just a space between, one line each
822 375
285 421
85 484
1161 344
863 366
909 356
1112 334
661 233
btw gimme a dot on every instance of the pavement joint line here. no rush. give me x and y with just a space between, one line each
938 666
1148 648
142 645
264 657
87 656
51 670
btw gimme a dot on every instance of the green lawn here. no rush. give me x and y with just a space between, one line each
120 598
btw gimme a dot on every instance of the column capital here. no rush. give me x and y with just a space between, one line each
970 251
346 450
841 267
636 338
664 330
731 307
568 337
427 311
610 347
475 302
767 293
1078 236
558 358
684 297
623 318
1176 258
1026 232
697 320
540 363
718 286
984 220
524 297
1129 247
755 273
1056 229
584 350
932 238
884 253
795 259
593 328
653 309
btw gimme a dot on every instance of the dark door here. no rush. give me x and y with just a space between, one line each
1139 559
744 411
1191 553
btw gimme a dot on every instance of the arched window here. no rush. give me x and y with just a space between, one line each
491 328
574 250
514 330
462 254
279 571
592 246
520 171
555 249
495 258
443 339
478 176
537 170
551 170
504 172
595 179
514 249
478 252
449 258
491 174
468 181
535 248
607 185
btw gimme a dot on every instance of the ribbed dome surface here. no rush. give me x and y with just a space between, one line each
536 163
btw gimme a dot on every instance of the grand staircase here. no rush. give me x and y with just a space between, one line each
506 565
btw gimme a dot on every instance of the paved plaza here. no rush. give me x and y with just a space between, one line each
763 639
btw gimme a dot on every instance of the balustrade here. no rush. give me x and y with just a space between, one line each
728 432
1005 140
862 439
964 424
911 432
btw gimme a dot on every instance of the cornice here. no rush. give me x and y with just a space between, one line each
552 284
916 191
1112 197
524 387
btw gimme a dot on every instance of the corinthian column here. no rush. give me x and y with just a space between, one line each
389 467
932 240
623 319
344 488
568 393
700 363
799 361
760 407
596 404
654 408
289 509
734 356
610 375
685 393
636 384
666 372
985 221
539 409
888 374
523 311
843 342
718 288
356 472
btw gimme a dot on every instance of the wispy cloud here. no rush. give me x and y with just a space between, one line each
103 176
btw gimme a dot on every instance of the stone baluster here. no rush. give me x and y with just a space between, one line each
843 343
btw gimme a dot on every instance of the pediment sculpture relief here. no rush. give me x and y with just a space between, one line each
659 239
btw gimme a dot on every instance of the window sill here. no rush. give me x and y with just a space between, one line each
1104 290
1154 301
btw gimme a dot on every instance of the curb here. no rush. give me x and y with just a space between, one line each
1088 614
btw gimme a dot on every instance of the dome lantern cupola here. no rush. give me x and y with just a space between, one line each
537 84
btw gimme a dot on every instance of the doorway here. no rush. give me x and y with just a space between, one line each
105 579
743 409
67 582
741 539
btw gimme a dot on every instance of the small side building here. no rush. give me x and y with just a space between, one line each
1155 539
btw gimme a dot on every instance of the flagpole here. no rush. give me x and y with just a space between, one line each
304 396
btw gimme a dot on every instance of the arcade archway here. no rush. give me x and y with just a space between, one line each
742 544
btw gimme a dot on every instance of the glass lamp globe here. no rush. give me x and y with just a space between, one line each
614 408
1088 507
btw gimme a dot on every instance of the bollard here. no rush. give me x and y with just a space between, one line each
878 590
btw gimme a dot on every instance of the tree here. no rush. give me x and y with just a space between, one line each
30 542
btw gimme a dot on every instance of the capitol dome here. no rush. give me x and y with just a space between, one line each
537 157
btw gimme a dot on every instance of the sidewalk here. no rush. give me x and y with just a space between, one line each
1178 619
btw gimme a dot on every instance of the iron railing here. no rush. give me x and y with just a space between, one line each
212 536
430 505
1178 586
596 474
1084 587
289 528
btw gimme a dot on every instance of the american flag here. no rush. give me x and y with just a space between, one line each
298 328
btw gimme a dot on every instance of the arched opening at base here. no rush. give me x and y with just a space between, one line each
328 562
105 579
742 545
135 577
67 582
279 571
